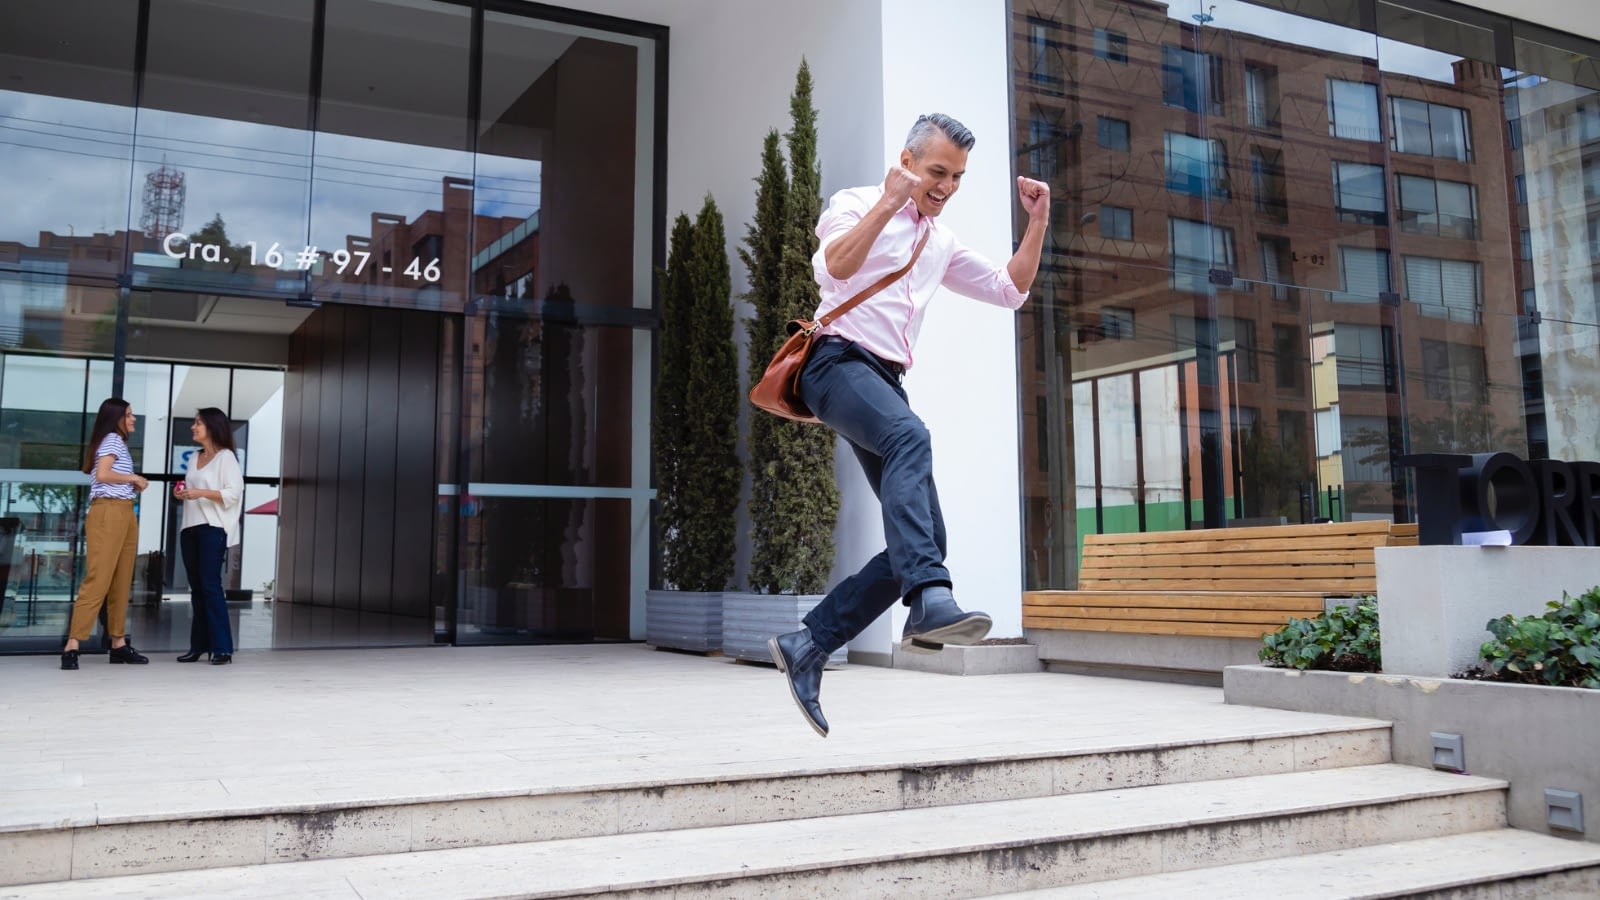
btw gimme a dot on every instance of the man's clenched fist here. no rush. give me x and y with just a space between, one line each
899 184
1035 196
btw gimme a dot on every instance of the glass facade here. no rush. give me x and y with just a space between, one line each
406 244
1329 233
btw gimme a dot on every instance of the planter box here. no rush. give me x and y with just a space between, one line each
683 620
1533 737
978 659
1435 600
748 620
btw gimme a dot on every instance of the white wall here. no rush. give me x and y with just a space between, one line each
951 57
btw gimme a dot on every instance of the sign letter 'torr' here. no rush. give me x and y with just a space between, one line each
1542 502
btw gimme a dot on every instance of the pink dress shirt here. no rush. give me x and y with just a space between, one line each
888 323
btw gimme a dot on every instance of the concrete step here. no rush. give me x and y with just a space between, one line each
155 832
1491 865
976 849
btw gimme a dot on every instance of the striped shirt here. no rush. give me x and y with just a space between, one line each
122 461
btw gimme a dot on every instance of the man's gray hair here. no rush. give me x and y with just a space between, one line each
937 123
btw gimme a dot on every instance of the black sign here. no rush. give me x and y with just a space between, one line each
1542 502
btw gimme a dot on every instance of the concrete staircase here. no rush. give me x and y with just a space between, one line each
1318 813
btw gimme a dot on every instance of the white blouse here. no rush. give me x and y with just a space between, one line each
222 474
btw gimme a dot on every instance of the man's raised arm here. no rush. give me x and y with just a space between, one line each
848 253
1024 265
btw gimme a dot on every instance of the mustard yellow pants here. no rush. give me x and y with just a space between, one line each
112 534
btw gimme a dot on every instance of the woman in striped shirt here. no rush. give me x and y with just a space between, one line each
112 535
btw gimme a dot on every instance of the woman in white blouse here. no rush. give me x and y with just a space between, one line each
213 496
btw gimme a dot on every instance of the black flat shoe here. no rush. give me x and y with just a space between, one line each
221 659
69 659
193 655
126 654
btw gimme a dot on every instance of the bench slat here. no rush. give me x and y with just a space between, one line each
1347 556
1296 602
1333 587
1220 545
1146 626
1273 617
1213 570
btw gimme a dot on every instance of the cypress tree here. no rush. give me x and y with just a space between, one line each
793 545
762 255
697 408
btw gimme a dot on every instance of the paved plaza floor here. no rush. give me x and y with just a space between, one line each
335 728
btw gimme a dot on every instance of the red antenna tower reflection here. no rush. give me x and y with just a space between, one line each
163 202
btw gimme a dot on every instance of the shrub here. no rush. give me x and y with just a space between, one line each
1344 640
1561 647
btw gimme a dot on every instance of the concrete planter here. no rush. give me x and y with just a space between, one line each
748 620
684 620
1533 737
980 659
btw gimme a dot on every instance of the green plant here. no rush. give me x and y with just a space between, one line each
1344 640
697 408
1561 647
794 501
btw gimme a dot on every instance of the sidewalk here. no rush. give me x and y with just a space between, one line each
341 728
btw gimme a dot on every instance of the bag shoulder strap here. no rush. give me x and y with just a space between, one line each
878 285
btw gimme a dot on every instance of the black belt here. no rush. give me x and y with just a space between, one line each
893 368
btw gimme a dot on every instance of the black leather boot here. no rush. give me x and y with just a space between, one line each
801 661
127 655
936 620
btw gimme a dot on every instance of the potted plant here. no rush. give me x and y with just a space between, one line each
794 501
696 438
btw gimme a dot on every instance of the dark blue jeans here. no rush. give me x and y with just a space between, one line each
204 548
856 395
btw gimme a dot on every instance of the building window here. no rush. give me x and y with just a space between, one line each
1192 81
1196 249
1044 57
1527 245
1430 129
1261 95
1266 182
1521 182
1277 268
1291 429
1445 208
1363 275
1110 45
1453 372
1043 141
1231 330
1196 166
1116 322
1591 180
1353 110
1113 133
1365 357
1288 356
1328 435
1445 288
1116 223
1587 122
1369 445
1359 193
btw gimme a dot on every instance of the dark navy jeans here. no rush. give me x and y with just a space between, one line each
855 393
204 548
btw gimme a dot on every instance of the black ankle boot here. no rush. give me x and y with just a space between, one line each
936 620
69 659
801 660
126 654
193 656
221 659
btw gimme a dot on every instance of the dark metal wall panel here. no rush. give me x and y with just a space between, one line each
351 481
303 481
329 426
416 487
383 415
289 499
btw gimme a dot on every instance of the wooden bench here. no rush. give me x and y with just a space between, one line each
1219 582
